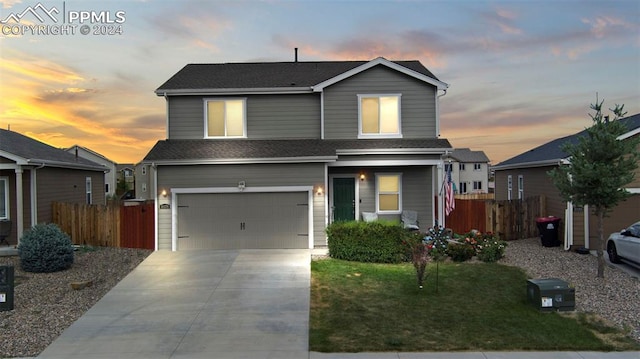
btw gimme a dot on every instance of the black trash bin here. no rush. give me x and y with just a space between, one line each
6 288
548 227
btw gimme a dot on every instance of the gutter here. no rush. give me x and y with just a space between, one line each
227 161
543 163
42 163
234 91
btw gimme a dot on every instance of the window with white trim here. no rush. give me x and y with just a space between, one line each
509 186
88 189
463 188
462 167
477 166
4 197
477 185
379 116
144 170
520 187
225 118
388 193
144 187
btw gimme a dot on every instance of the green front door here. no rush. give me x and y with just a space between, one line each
344 199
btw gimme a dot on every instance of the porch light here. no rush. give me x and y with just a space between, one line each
164 193
362 177
319 191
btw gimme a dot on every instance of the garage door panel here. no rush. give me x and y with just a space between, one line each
243 220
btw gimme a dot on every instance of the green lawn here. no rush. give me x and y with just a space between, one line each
379 307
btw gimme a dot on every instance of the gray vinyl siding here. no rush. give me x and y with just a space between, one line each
417 190
65 185
418 109
268 116
254 175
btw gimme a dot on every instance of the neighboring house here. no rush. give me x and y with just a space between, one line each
144 182
469 171
126 175
34 174
109 177
526 175
265 155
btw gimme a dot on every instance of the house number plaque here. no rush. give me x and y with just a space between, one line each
165 206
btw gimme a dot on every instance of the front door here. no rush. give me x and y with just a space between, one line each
344 199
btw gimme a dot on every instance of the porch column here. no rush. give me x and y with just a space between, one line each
19 205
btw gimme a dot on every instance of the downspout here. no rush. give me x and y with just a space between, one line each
166 101
568 216
438 111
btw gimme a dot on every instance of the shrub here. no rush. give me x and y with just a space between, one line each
460 252
45 248
378 242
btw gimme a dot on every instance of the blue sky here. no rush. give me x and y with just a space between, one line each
520 72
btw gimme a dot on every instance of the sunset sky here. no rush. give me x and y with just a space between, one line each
521 72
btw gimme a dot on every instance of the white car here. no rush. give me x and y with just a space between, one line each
625 245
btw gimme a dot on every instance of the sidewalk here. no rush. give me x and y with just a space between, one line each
479 355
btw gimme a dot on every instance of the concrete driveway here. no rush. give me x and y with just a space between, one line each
199 304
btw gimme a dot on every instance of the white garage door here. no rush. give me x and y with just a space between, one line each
243 220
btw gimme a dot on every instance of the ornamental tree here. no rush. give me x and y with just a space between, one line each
600 165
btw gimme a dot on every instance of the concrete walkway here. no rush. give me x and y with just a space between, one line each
199 304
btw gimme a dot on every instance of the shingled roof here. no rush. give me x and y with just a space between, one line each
467 156
272 75
28 151
551 152
239 150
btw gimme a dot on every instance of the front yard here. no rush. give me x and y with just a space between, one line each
479 306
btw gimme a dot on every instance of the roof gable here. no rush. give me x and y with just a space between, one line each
27 151
279 76
551 152
466 155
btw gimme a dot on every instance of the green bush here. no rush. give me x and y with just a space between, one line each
460 252
378 242
45 248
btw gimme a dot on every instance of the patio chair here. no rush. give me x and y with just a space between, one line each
5 231
369 216
410 220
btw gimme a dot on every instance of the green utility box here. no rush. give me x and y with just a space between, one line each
6 288
551 294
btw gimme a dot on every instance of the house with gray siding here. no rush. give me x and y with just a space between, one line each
266 155
526 175
33 175
109 177
469 171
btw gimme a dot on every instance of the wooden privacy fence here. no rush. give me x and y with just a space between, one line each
510 220
108 226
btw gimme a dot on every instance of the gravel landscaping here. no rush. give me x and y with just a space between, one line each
45 303
615 298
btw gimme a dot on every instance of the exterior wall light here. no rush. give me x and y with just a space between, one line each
362 177
164 193
319 191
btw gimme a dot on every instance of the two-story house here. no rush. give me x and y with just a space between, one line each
265 155
109 176
526 175
469 170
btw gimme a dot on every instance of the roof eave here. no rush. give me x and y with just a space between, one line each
227 161
543 163
393 151
232 91
61 164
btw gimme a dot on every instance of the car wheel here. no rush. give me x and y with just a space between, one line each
613 253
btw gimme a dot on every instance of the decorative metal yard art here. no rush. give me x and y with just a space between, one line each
434 245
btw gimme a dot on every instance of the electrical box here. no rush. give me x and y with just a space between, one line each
6 288
551 294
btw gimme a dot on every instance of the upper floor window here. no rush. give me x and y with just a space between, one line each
509 186
144 170
379 116
225 118
4 197
388 193
448 167
462 167
477 166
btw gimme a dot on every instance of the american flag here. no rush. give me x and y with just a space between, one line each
449 199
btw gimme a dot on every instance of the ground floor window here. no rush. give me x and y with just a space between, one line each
4 198
477 185
388 193
88 189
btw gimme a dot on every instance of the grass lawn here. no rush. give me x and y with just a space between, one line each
379 307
